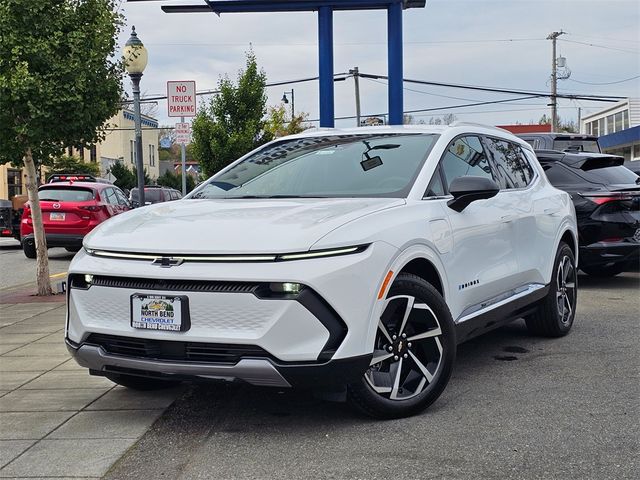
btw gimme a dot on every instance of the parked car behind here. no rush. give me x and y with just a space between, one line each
70 210
154 194
562 142
607 199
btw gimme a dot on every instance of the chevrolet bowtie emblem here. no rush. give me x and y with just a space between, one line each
167 262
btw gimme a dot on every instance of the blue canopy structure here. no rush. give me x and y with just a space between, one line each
325 9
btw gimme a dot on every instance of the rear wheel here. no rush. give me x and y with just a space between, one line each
140 383
29 249
414 352
554 316
603 271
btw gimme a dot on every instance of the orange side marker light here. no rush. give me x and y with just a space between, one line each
383 288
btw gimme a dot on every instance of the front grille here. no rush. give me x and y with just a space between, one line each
174 285
177 351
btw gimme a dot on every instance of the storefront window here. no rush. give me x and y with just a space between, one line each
14 182
610 127
619 122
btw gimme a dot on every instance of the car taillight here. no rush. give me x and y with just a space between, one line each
91 208
606 197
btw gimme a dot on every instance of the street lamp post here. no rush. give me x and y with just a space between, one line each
135 55
286 101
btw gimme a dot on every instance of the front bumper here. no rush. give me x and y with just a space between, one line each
290 330
255 371
606 253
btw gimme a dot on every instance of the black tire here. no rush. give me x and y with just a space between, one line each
73 249
435 351
140 383
29 249
604 271
556 312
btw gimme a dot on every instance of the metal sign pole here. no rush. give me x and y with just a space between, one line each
183 152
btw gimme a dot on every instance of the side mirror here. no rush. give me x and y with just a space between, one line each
469 189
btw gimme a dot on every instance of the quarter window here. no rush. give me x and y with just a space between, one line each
465 157
514 170
435 189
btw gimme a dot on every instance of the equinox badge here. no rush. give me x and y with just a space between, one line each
167 262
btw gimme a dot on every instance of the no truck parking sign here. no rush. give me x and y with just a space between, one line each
181 98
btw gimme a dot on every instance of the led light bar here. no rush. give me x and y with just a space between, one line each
229 258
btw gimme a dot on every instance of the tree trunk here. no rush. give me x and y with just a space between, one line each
42 262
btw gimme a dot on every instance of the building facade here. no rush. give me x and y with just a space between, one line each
118 145
618 128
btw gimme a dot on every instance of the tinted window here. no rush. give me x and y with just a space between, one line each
151 195
373 165
65 194
559 175
576 146
513 168
109 196
122 200
610 175
465 157
435 189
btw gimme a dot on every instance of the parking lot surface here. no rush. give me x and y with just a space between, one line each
516 407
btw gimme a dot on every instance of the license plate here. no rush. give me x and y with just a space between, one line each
160 312
56 216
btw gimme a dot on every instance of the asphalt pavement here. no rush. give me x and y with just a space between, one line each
17 270
516 407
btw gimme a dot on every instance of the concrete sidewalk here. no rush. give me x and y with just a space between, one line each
55 419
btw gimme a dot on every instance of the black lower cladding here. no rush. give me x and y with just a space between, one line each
58 240
307 297
330 374
619 253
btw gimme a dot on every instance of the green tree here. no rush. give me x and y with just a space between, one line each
173 180
126 179
278 124
232 124
67 164
59 83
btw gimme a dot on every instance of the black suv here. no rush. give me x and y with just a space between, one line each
607 199
562 142
154 194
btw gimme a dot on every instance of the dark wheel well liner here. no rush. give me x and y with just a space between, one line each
424 269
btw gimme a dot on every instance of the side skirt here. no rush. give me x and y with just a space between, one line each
500 315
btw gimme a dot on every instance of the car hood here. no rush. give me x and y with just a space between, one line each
231 226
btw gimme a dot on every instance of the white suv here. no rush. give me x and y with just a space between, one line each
353 260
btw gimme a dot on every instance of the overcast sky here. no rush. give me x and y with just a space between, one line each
498 43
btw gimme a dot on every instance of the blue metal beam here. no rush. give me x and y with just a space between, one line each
243 6
394 32
325 66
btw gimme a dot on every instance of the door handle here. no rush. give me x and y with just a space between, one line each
551 211
507 218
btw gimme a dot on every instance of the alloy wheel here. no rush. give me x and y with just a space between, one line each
408 350
566 289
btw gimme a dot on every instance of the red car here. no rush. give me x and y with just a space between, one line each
70 210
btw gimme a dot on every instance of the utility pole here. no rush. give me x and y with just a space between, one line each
356 78
554 80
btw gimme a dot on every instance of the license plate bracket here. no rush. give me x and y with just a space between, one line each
169 313
57 216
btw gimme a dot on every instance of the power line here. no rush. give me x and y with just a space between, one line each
605 83
625 50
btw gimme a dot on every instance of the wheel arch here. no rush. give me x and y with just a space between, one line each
426 270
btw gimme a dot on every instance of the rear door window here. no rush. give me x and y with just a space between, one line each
65 194
514 170
560 175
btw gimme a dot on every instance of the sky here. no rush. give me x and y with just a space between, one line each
496 43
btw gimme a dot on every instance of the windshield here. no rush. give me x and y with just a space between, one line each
610 175
380 165
65 194
576 146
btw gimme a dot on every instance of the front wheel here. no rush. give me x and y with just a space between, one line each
554 316
414 352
